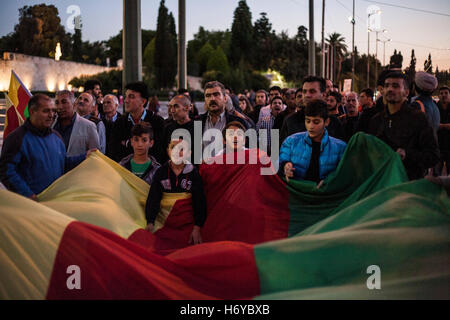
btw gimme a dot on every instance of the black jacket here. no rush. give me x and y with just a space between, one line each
122 133
169 129
165 180
109 130
408 129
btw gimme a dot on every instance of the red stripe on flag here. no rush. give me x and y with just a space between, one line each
115 268
24 97
12 121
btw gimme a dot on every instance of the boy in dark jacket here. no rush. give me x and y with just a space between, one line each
140 163
177 176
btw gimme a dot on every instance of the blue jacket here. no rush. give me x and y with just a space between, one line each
297 149
32 159
431 111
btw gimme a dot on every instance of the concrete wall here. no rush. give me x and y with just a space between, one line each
43 74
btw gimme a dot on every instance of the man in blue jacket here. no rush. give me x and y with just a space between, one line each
34 155
311 155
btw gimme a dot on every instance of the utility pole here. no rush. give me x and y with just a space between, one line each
132 42
182 44
368 57
323 39
353 46
312 53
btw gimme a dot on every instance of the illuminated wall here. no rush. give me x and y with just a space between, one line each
43 74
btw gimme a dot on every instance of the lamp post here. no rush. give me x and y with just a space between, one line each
384 49
368 44
376 52
352 21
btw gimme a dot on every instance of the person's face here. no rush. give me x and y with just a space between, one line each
331 103
315 127
43 117
109 106
242 104
299 99
141 144
260 99
364 99
395 91
134 102
97 91
444 96
311 91
64 106
234 138
352 110
274 93
329 86
276 106
352 101
290 98
215 100
84 104
180 111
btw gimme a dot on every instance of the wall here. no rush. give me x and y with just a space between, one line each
43 74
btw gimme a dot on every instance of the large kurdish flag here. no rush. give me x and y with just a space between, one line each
263 239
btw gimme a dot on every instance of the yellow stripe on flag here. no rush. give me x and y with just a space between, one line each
13 90
30 234
103 194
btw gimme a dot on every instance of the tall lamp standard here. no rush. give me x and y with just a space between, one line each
368 44
376 51
384 49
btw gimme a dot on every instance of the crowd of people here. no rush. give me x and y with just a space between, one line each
309 127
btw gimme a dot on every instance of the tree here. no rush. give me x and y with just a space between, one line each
203 57
264 42
428 65
77 46
39 30
412 66
337 43
396 60
165 48
149 59
218 61
242 43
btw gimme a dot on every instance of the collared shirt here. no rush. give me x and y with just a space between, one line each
220 124
131 118
266 122
65 132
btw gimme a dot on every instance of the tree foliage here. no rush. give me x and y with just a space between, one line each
242 42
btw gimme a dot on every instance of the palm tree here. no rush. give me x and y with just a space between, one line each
337 43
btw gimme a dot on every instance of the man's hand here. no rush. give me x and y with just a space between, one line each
402 153
90 151
34 197
150 227
195 237
289 171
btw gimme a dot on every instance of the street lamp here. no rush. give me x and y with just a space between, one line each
368 44
384 49
376 52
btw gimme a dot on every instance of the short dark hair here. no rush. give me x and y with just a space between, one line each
213 84
336 95
320 80
140 87
397 75
90 84
277 88
444 88
35 100
368 92
232 124
297 91
275 98
317 108
140 129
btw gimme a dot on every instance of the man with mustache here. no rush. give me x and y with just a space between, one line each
405 129
216 116
267 122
